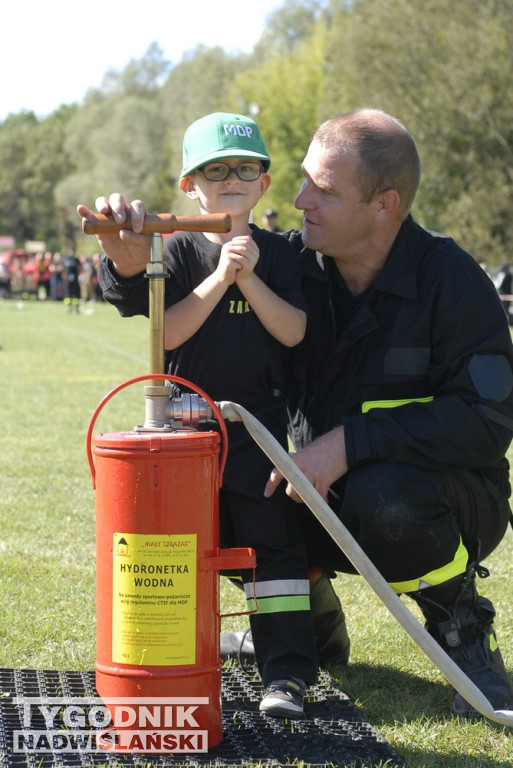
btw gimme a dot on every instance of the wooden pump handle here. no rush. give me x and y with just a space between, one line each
165 223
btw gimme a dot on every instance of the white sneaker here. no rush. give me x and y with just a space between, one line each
284 698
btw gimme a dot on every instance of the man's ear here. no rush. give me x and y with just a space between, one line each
387 204
188 185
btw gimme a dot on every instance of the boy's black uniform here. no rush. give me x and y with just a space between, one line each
232 357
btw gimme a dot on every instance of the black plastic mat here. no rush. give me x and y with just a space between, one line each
333 733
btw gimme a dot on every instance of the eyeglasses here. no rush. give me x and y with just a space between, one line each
246 171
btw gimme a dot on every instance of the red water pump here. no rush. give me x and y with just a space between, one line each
158 667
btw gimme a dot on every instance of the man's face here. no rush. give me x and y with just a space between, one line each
335 220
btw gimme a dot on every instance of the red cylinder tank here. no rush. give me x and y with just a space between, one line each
157 553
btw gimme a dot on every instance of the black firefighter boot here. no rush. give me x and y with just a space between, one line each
464 629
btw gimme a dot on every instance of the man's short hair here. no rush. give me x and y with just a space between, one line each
387 155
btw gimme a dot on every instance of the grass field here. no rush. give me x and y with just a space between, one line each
55 367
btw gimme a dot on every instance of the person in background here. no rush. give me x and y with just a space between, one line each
270 220
56 268
5 280
71 273
44 275
85 279
504 285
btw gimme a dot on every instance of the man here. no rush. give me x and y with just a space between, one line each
403 410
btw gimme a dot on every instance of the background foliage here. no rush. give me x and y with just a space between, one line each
444 69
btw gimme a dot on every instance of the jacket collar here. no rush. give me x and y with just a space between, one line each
399 274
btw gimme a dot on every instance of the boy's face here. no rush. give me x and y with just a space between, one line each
233 195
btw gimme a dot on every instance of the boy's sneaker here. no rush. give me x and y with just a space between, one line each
284 698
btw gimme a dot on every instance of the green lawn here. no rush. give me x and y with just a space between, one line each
55 367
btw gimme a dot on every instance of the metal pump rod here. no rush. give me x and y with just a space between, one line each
159 409
156 272
157 396
157 224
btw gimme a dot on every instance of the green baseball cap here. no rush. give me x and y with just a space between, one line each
221 135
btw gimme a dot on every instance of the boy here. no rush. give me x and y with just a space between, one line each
233 307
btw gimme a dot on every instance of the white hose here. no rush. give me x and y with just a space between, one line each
353 551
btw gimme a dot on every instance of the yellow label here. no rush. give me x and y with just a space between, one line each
154 599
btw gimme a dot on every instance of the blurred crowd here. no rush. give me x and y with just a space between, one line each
50 276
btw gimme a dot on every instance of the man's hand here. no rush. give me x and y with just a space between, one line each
323 462
128 250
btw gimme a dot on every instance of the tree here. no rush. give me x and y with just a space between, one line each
32 161
285 93
46 163
141 77
445 70
13 138
287 28
201 83
406 56
117 141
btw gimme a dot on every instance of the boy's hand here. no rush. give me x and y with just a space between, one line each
128 250
244 252
227 268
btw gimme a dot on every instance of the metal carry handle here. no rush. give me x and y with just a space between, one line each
176 380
